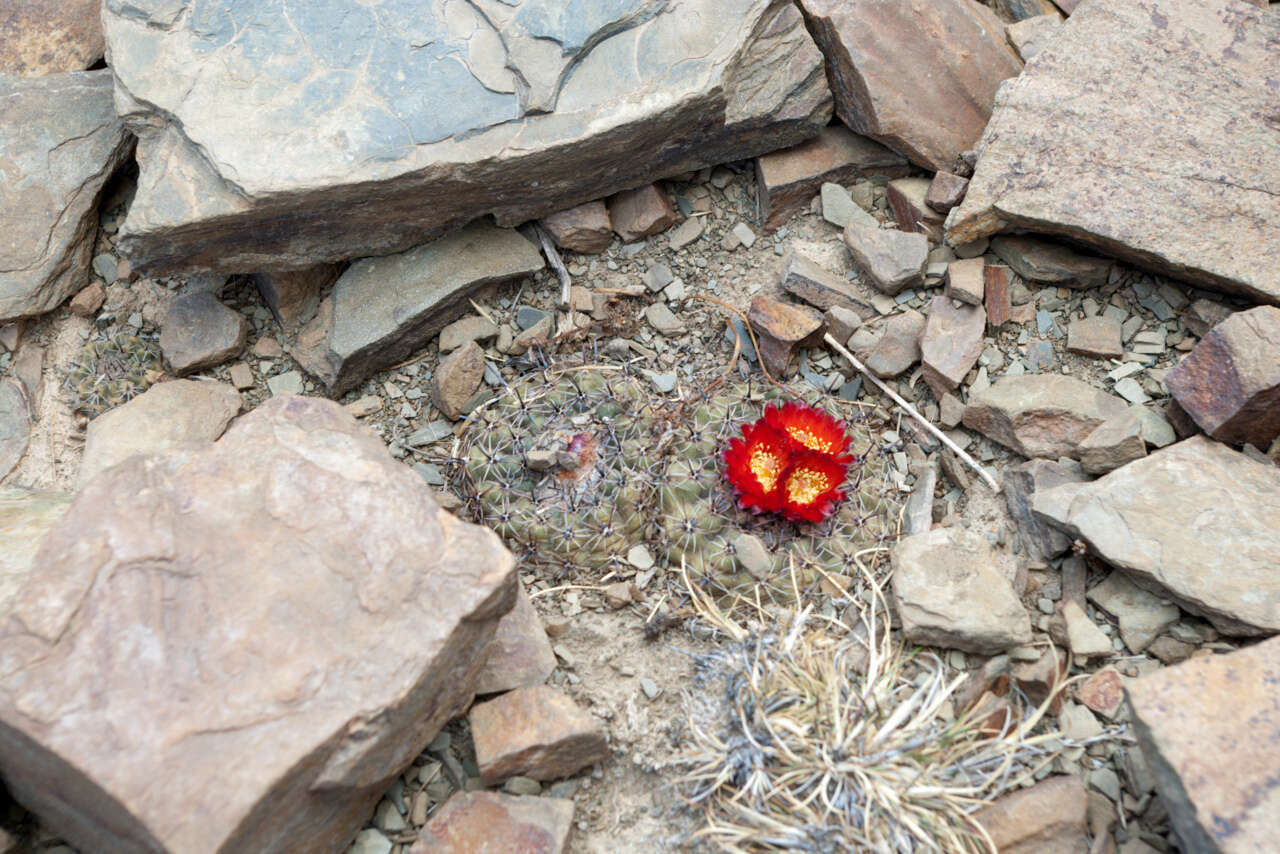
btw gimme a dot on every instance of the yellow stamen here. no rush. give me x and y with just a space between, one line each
766 466
805 485
809 440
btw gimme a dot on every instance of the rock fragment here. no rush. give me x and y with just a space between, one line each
1041 542
470 328
26 517
951 343
639 213
946 190
536 732
294 296
1041 415
480 822
1113 443
1047 818
1084 637
998 296
781 329
907 199
1142 615
456 379
894 348
38 38
1095 336
839 208
584 228
521 654
891 260
1038 260
15 425
805 279
200 332
966 280
1029 35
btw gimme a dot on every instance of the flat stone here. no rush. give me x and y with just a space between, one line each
48 37
781 329
61 142
1040 415
1029 35
951 343
87 302
536 732
1156 430
15 425
1041 542
1132 391
179 414
1212 550
457 379
951 411
470 328
839 208
966 281
685 233
658 277
403 123
787 180
482 822
641 212
918 511
294 296
953 590
1113 443
249 597
534 335
290 382
583 228
1142 615
897 348
841 322
754 556
918 76
1158 185
520 654
1102 692
998 296
1203 315
1230 383
1038 260
805 279
1083 636
384 309
200 332
370 841
910 210
663 319
1210 730
946 190
1095 336
891 260
26 517
1047 818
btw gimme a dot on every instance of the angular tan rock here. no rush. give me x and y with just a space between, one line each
820 288
1141 614
1040 541
15 425
895 347
26 517
238 613
890 261
1048 818
484 822
536 732
1095 336
1158 185
1029 35
520 655
1041 415
951 343
920 76
641 212
583 228
40 37
945 191
200 332
1210 729
907 199
456 379
1038 260
997 297
1195 522
1113 443
780 329
294 296
966 280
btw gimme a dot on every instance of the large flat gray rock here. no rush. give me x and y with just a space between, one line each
60 141
1145 128
1196 522
271 140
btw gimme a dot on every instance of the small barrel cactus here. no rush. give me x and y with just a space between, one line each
112 370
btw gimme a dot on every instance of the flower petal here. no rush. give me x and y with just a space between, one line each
811 486
754 465
809 429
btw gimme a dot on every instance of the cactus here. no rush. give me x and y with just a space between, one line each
112 370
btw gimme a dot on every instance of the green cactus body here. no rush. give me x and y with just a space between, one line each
110 371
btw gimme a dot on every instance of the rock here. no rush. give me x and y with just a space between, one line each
28 370
754 556
839 208
1212 550
470 328
951 410
26 516
527 317
252 598
898 346
918 76
383 309
966 281
786 180
200 332
1085 638
520 655
482 822
1203 315
1040 541
781 329
61 142
294 296
584 228
918 511
1029 35
658 277
891 260
1113 443
1155 429
1039 260
38 38
822 289
457 379
402 123
1049 157
841 322
1040 679
290 382
1102 692
951 343
179 414
15 425
536 732
370 841
910 211
1230 383
1095 336
1142 615
663 319
1209 729
641 212
534 335
1047 818
1040 415
617 595
953 590
998 296
87 302
946 190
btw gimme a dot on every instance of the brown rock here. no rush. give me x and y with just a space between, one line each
787 180
26 517
1048 159
1040 542
521 654
497 823
237 613
40 37
1038 260
15 425
28 369
241 376
951 343
1182 423
1021 10
1029 35
841 322
1040 679
293 297
1095 336
997 296
946 190
11 334
898 346
1102 692
891 261
470 328
1169 650
90 298
1210 729
1230 383
200 332
1048 818
966 281
918 75
911 213
456 379
585 228
641 212
822 289
1041 415
780 329
1203 315
951 411
1113 443
536 732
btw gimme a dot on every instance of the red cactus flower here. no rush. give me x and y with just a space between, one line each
810 428
810 488
755 463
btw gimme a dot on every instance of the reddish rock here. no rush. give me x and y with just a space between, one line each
1038 260
918 75
497 823
1041 415
1230 383
1203 315
997 295
521 654
951 343
585 228
40 37
890 260
907 201
820 288
966 280
199 332
641 212
946 190
1182 423
787 180
1048 818
293 297
456 379
1095 336
536 732
781 328
1114 442
1102 692
90 298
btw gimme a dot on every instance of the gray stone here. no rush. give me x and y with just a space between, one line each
200 332
897 347
1156 429
753 555
294 296
583 228
1029 35
1038 260
1158 184
520 654
663 319
1040 415
290 382
951 343
804 278
841 322
1203 315
399 123
370 841
745 235
15 426
1040 541
528 316
1196 522
891 260
237 612
383 309
1142 615
471 328
685 233
61 142
658 277
456 379
839 208
1113 443
26 516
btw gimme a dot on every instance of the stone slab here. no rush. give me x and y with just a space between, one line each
1041 415
26 517
15 425
40 37
497 823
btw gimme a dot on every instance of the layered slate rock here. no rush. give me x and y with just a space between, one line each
1041 415
47 36
1210 729
521 654
270 140
60 141
951 343
239 613
383 309
919 76
1040 541
1158 183
1195 522
26 517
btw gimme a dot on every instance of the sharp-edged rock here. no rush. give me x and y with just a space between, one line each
946 190
839 208
1142 615
294 296
15 425
383 309
400 123
891 260
536 732
199 332
456 379
1029 35
642 212
1047 818
1038 260
1040 541
895 347
997 295
582 228
39 37
966 280
26 517
781 328
520 654
1157 184
1196 522
1041 415
221 633
918 75
805 279
951 343
1083 635
60 142
1113 443
1095 336
483 822
1203 315
907 199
